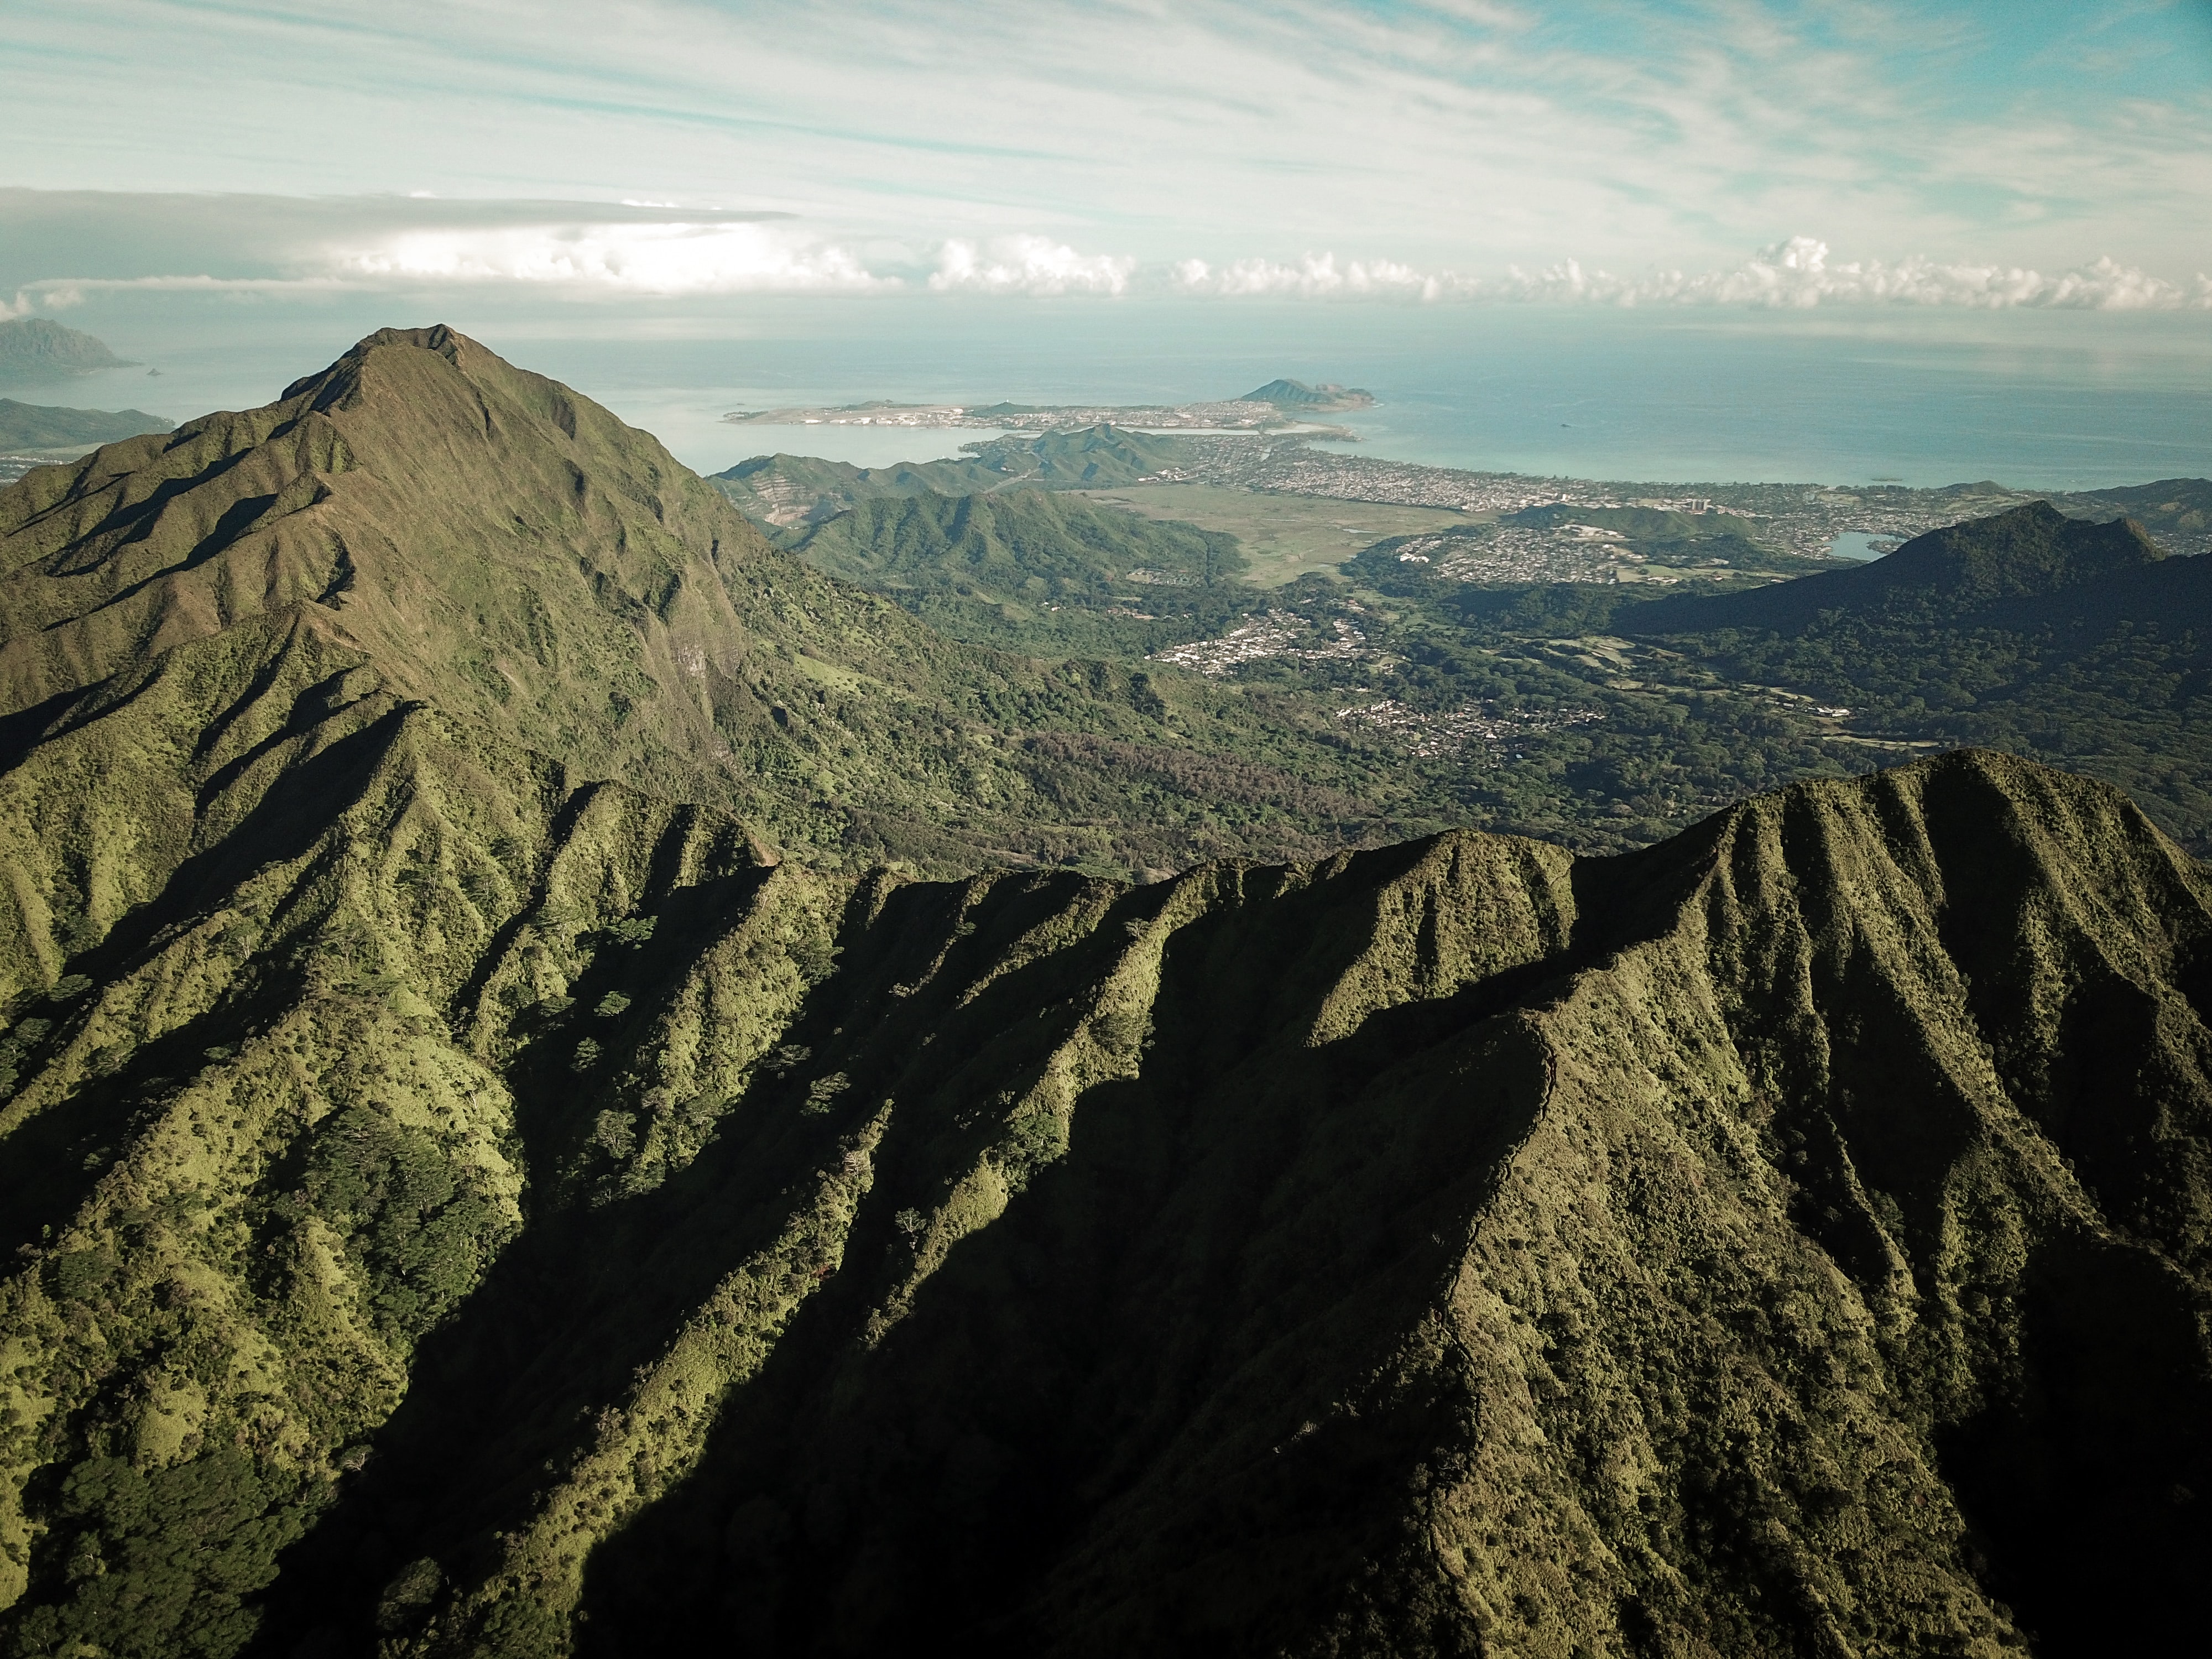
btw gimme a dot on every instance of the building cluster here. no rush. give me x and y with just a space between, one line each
1275 633
1788 518
1510 554
1431 733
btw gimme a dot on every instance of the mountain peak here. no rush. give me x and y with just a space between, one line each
445 340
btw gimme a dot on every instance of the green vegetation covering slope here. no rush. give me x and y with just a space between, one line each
466 1212
1039 571
39 348
28 426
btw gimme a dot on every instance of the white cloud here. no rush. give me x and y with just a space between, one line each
1029 264
1797 273
273 245
665 259
1315 276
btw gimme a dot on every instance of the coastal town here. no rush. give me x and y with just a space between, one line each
1805 520
1567 553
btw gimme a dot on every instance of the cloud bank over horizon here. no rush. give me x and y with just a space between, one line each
583 253
2034 155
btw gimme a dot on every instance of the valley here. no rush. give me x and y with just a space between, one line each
1464 621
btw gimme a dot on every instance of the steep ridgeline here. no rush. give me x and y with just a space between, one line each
497 1218
425 519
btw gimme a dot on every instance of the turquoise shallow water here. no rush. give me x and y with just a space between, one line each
2035 400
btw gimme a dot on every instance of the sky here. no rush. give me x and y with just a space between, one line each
1730 153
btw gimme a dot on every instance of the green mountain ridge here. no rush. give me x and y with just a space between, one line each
463 1218
491 1172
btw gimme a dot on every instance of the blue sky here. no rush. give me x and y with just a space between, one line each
1736 152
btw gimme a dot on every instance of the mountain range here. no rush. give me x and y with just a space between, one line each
564 1094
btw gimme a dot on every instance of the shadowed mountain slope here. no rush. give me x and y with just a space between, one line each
465 1201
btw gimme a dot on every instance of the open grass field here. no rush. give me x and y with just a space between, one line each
1284 536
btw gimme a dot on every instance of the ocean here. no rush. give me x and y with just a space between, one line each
2029 399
